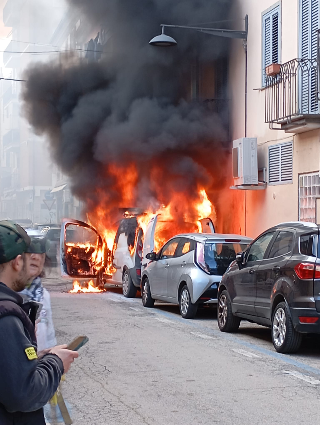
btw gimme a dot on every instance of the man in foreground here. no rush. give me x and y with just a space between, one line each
27 382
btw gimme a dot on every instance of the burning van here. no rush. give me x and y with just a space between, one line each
86 254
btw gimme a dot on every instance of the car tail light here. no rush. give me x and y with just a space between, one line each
303 319
138 271
232 240
307 271
200 257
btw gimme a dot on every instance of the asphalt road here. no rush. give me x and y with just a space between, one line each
150 366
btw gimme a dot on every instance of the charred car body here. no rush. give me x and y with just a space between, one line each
85 255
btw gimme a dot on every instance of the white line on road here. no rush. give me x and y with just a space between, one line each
162 320
200 335
135 309
303 377
246 353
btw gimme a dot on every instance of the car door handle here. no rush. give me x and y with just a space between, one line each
183 263
166 265
252 271
276 269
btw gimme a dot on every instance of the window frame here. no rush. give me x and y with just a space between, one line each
314 196
264 15
274 233
274 241
168 244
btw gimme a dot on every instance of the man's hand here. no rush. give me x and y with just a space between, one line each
67 356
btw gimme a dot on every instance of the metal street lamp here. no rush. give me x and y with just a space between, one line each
164 40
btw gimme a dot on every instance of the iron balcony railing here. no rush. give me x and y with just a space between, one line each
293 92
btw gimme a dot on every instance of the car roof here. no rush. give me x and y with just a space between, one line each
202 237
299 225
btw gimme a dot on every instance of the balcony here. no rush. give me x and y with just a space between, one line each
291 97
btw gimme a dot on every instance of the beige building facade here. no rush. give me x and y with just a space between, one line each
282 111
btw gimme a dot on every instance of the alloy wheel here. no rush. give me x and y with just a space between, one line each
184 301
279 327
222 310
145 291
125 283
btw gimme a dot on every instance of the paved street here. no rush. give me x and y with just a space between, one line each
150 366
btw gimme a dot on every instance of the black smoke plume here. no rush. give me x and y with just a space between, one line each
134 106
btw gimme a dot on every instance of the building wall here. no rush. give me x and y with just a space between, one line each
278 203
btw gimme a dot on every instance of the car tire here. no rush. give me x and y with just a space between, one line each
147 299
284 337
227 322
188 310
128 288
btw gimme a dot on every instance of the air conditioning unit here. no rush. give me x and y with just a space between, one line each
245 161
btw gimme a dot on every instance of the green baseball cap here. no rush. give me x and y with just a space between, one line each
14 241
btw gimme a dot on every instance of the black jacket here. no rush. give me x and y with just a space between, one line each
26 383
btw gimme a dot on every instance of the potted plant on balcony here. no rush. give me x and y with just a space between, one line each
273 69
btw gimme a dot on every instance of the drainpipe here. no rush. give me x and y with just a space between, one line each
245 45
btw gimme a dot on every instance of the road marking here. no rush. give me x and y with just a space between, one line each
135 309
246 353
203 336
303 377
162 320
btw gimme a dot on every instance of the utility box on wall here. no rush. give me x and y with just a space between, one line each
245 161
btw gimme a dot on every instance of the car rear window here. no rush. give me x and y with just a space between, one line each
308 245
218 256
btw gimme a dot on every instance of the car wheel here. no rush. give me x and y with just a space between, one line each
284 337
188 310
128 288
147 299
227 322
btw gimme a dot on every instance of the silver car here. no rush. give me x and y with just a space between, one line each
188 268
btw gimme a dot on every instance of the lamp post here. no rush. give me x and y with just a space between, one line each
164 40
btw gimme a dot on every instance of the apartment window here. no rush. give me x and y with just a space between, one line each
281 163
271 41
309 191
309 25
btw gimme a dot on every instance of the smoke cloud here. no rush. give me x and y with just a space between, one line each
127 122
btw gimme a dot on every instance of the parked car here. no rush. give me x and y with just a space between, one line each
275 283
188 268
51 237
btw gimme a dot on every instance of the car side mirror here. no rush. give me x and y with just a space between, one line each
240 260
151 256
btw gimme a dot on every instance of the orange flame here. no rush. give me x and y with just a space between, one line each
77 288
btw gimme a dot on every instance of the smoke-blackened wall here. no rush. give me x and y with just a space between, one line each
129 117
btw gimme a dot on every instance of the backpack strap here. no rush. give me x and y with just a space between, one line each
10 308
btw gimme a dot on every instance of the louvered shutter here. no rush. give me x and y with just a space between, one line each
281 163
271 39
309 25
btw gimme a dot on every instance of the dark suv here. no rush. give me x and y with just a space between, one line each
275 283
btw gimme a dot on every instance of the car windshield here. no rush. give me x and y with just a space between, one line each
218 256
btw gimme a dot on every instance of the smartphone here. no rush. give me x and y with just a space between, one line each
78 343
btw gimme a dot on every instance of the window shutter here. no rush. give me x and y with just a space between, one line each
286 162
274 164
309 25
271 39
281 163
